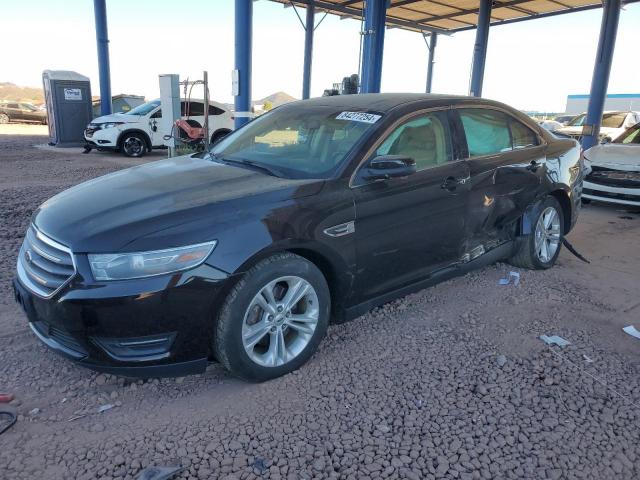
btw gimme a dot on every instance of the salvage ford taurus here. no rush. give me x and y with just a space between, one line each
318 210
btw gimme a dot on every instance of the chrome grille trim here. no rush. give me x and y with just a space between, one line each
44 265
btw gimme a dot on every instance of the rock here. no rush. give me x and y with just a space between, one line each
501 360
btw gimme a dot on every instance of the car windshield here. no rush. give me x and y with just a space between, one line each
297 141
631 135
613 120
144 109
577 121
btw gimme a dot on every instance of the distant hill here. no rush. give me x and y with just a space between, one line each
276 99
11 91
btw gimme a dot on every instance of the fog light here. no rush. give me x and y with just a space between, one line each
137 349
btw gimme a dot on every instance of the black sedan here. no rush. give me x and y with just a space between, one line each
318 210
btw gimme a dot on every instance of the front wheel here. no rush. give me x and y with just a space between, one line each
273 319
133 145
540 249
4 118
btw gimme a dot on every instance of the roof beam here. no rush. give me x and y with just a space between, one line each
391 20
451 16
542 15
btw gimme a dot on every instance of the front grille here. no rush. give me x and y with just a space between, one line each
91 129
44 265
614 178
616 196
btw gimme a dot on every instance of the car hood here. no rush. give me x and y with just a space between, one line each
615 156
117 117
112 213
578 131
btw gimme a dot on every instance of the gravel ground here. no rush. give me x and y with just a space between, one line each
451 382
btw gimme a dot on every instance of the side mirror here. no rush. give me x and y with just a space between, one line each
384 167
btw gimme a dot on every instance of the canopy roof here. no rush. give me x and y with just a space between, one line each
449 16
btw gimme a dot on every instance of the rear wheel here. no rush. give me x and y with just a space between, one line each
133 145
4 118
274 319
540 248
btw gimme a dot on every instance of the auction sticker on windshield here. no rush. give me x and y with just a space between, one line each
359 117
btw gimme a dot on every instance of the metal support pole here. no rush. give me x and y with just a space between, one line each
601 71
432 50
308 50
207 134
102 39
480 48
375 13
243 35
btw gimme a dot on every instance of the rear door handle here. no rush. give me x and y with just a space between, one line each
451 183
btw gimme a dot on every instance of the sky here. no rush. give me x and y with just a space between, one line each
531 65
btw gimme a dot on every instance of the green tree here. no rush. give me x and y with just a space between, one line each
267 106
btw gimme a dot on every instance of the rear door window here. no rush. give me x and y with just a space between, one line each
213 110
487 131
194 109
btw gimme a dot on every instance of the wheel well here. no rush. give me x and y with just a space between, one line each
142 133
226 131
327 269
565 203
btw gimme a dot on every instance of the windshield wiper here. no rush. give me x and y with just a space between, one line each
249 163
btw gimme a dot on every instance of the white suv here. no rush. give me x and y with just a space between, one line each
613 125
139 130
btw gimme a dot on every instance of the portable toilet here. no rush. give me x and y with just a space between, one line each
68 98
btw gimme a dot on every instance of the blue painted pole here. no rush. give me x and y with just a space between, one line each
102 39
480 48
432 50
375 12
308 51
601 71
243 35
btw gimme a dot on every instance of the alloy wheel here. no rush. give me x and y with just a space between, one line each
133 146
4 118
280 321
547 236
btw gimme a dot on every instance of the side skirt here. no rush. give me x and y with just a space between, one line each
496 254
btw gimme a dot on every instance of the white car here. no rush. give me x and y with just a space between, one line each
139 130
550 125
614 170
613 125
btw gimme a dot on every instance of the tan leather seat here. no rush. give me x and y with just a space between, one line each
419 143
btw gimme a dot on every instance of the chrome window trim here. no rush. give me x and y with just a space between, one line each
24 277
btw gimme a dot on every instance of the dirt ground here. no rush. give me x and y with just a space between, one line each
451 382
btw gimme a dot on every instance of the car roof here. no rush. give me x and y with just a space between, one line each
384 102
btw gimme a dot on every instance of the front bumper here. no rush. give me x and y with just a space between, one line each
154 327
106 138
613 186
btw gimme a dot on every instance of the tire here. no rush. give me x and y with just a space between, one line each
257 357
4 118
219 135
133 145
541 254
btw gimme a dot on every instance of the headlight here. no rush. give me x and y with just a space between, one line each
123 266
111 124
